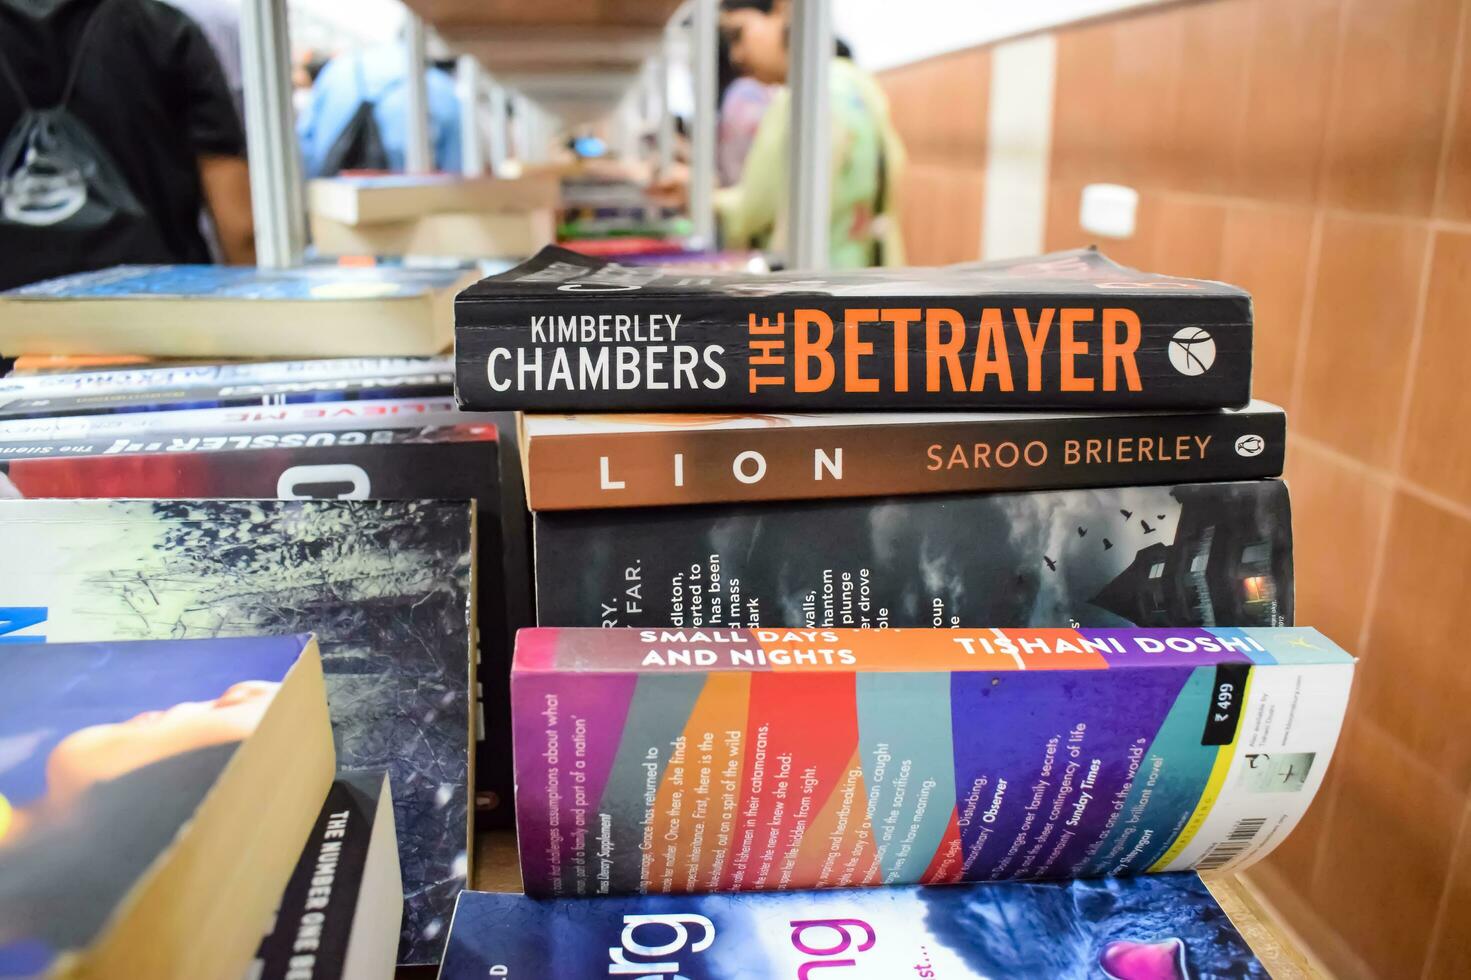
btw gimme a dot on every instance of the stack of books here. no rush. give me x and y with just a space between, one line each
433 214
896 577
346 498
972 577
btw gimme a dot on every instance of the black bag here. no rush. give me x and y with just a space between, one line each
64 204
360 144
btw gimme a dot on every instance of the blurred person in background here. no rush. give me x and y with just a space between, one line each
220 22
867 156
743 104
116 128
370 82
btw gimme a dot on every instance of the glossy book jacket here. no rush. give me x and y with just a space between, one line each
1166 927
677 761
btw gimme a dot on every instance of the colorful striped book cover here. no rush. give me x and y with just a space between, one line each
673 761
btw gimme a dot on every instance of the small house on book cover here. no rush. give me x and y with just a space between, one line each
1165 927
153 798
1194 554
670 761
565 332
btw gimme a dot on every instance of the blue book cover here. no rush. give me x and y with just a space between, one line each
106 751
195 282
1163 927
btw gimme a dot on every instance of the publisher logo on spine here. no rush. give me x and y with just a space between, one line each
1250 445
1192 351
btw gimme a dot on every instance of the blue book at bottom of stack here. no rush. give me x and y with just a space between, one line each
1155 927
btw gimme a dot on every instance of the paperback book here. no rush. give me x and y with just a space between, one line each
567 332
575 462
231 311
672 761
133 842
387 587
1193 554
340 914
224 385
374 198
1164 927
448 234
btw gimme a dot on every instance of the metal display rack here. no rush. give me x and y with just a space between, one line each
571 60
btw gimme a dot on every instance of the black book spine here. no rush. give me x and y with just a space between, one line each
821 353
315 919
1202 554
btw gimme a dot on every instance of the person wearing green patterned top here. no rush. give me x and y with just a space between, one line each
867 155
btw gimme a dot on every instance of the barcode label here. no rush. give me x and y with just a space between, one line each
1232 847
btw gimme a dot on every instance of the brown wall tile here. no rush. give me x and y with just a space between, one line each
1115 95
1338 513
1291 58
1061 229
1455 196
1187 237
1141 99
1391 92
941 213
1436 442
1205 135
1266 250
1390 831
1363 317
1082 91
940 107
1451 954
1416 679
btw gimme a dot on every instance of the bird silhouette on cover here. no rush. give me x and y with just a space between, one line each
1145 524
1051 565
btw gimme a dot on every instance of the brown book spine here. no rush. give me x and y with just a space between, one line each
691 465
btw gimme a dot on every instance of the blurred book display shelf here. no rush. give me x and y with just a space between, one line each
433 215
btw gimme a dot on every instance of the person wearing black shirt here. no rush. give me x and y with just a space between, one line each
145 82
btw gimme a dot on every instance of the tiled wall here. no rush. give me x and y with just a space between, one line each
944 130
1317 152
